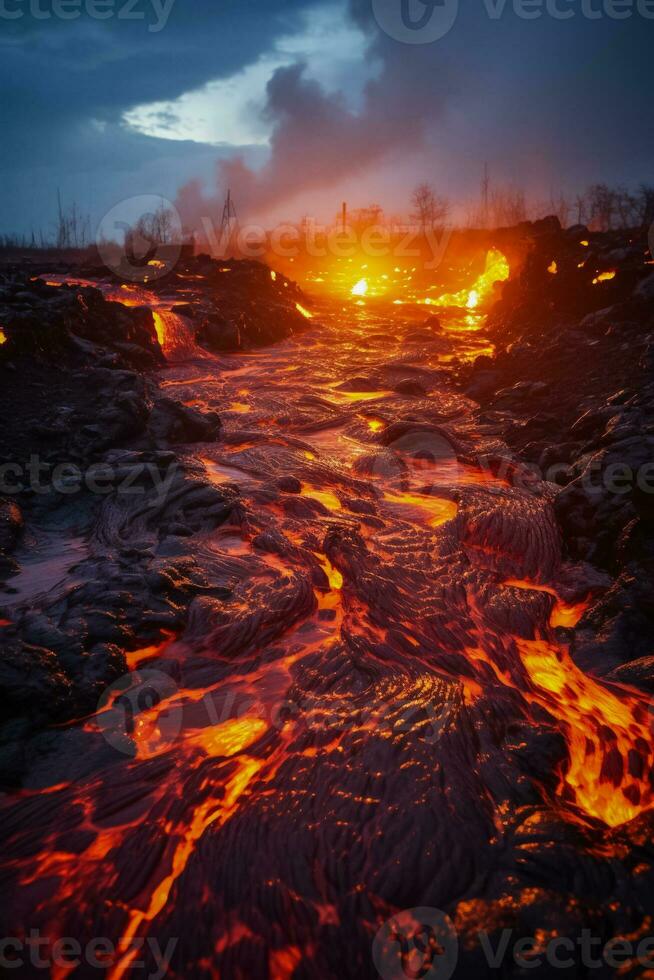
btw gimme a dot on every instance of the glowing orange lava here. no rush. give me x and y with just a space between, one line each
608 737
305 313
563 614
496 270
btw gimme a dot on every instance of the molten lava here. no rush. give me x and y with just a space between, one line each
608 737
360 288
355 672
305 313
496 270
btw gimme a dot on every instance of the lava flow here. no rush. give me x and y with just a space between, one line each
368 705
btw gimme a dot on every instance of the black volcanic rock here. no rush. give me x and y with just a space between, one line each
218 333
411 387
572 373
11 524
172 422
73 321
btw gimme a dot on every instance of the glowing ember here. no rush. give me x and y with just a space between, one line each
360 288
604 277
303 311
553 268
3 338
273 275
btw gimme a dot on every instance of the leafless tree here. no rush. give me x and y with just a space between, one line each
157 227
602 205
561 207
580 208
646 205
73 228
430 210
508 207
626 206
362 218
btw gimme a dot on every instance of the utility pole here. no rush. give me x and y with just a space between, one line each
228 224
344 216
60 217
485 185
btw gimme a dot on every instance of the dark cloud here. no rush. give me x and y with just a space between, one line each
547 103
316 143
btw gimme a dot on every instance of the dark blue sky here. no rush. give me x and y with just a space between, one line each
318 101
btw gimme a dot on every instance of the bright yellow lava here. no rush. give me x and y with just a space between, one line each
434 511
497 270
303 311
230 737
334 577
325 497
160 327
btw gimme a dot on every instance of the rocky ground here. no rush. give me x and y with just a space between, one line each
330 575
571 389
87 455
